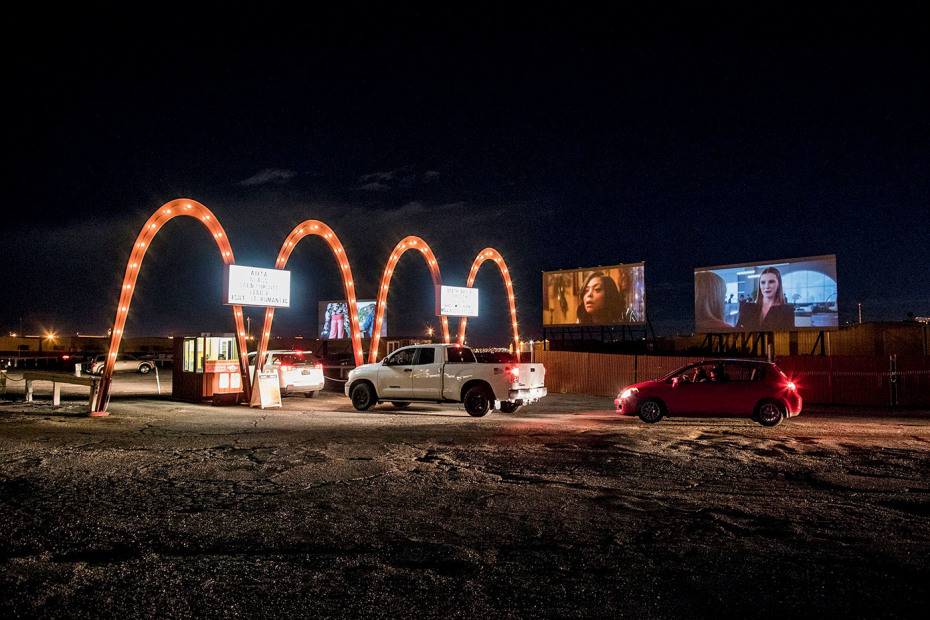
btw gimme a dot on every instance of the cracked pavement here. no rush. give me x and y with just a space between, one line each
560 510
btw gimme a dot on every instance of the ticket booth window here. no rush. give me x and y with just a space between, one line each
219 349
190 355
193 354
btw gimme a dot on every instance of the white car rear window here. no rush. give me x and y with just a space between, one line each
294 359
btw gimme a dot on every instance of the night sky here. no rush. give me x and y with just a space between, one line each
562 137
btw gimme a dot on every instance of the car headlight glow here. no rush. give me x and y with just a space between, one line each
627 393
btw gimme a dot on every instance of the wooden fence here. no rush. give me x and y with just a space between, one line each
861 380
829 380
603 374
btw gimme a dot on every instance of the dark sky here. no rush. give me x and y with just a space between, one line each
564 138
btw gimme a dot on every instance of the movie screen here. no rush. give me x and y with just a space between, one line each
597 296
787 295
334 319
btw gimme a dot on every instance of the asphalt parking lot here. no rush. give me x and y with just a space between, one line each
167 509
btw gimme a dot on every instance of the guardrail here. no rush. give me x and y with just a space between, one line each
57 378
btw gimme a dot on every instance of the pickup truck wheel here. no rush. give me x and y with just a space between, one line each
399 404
509 407
477 401
363 396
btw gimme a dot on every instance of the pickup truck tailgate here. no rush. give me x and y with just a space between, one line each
531 375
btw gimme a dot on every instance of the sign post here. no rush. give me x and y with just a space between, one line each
257 286
263 288
266 391
456 301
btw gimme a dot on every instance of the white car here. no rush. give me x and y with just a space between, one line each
298 371
124 363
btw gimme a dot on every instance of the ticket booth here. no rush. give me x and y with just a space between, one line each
206 368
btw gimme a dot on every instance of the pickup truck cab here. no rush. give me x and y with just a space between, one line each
445 373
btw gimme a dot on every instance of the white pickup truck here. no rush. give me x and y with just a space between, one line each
445 373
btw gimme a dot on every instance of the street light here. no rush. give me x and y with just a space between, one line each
49 336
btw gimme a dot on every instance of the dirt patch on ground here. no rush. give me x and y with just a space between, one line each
562 509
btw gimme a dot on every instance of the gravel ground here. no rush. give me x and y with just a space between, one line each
173 510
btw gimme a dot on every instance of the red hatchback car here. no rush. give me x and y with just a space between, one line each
729 387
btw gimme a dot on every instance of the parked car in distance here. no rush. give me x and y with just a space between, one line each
725 387
298 371
124 363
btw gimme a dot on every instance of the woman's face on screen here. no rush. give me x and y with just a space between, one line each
768 286
594 296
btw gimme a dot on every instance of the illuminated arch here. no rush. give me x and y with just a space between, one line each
407 243
158 219
492 254
318 228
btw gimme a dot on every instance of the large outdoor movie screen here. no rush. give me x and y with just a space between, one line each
334 319
595 296
786 295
